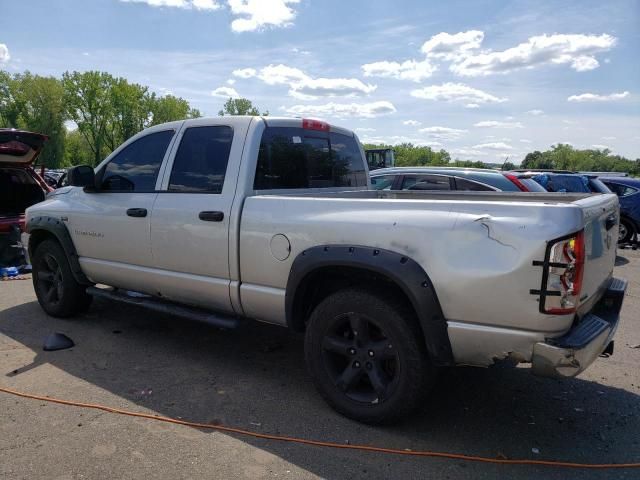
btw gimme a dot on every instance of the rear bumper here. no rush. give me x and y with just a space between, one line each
573 352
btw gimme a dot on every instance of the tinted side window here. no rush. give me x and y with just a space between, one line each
298 158
201 160
468 185
382 182
135 168
426 182
621 190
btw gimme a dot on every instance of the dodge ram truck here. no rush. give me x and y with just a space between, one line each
273 219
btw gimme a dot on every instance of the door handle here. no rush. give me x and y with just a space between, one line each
610 222
208 216
137 212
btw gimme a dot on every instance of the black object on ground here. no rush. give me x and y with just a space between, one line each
57 341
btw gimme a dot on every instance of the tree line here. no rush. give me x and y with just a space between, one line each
108 110
558 157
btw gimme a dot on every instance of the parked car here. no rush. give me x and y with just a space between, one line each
628 191
452 178
567 181
20 187
273 219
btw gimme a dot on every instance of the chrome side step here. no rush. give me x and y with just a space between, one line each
166 307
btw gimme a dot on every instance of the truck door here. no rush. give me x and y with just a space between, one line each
191 216
110 226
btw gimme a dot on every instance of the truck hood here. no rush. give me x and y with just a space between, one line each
19 147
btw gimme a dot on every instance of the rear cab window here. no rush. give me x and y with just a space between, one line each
292 157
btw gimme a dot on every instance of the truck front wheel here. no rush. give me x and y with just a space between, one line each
56 288
366 355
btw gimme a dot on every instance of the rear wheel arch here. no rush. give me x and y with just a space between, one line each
322 270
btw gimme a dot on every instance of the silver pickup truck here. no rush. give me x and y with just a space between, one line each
272 219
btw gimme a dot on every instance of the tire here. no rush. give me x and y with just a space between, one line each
627 230
56 288
375 377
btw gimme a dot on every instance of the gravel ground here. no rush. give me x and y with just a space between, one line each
255 378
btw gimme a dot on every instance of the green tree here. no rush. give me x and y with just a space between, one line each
32 102
77 151
508 166
9 105
87 98
565 157
42 110
170 108
130 109
240 106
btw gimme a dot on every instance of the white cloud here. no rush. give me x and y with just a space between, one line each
467 152
594 97
397 139
225 92
197 4
443 133
301 52
601 147
365 129
493 146
412 123
407 70
343 110
231 81
306 87
472 105
498 124
244 73
257 14
535 112
609 138
456 92
448 46
578 50
4 53
524 140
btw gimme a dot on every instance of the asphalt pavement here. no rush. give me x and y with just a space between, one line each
254 378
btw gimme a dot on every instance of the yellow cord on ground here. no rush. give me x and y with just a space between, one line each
318 443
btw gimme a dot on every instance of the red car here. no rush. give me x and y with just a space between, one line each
20 187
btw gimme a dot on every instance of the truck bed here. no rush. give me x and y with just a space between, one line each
492 196
478 248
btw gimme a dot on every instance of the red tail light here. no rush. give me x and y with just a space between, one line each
516 182
309 124
562 279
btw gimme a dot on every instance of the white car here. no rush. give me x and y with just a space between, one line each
273 219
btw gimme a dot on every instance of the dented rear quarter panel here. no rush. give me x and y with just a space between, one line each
477 252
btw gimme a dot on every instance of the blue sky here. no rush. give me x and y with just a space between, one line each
482 79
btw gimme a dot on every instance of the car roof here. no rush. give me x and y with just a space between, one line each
542 170
630 181
443 170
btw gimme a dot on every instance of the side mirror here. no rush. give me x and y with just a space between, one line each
81 176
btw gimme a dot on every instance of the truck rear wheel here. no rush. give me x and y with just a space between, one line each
366 355
56 288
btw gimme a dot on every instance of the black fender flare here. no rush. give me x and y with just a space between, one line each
56 228
405 272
